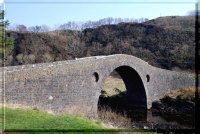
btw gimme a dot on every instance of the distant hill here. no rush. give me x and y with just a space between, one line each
186 23
166 42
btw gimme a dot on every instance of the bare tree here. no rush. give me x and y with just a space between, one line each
109 20
37 29
44 28
21 28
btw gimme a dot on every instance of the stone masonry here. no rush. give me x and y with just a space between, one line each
74 86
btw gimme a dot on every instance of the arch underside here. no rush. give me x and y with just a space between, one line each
136 94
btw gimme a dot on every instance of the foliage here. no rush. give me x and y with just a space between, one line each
6 43
165 42
159 45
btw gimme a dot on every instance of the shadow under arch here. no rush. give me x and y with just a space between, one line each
133 101
136 93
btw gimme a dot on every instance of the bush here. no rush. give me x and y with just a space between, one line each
114 119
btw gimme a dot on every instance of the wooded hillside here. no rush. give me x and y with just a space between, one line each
166 42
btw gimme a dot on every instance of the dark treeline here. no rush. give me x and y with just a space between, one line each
166 42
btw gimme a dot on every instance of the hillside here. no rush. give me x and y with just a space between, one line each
166 42
175 22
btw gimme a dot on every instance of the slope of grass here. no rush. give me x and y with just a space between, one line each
25 119
29 121
113 86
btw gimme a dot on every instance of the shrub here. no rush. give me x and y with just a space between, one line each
114 119
47 57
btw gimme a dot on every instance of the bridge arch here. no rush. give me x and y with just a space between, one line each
135 90
75 85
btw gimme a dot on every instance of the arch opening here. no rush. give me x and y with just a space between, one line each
96 76
136 93
148 78
130 100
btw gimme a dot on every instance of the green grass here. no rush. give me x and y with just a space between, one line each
25 119
30 121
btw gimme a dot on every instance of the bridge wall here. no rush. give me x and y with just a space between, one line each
74 86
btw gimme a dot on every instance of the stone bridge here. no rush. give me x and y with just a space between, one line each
75 86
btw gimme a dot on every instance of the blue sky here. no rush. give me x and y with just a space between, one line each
52 12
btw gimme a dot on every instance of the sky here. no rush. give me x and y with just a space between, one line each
56 12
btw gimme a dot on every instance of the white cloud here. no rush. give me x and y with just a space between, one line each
1 1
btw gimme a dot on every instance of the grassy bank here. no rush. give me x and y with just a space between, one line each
25 119
113 86
178 101
28 121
